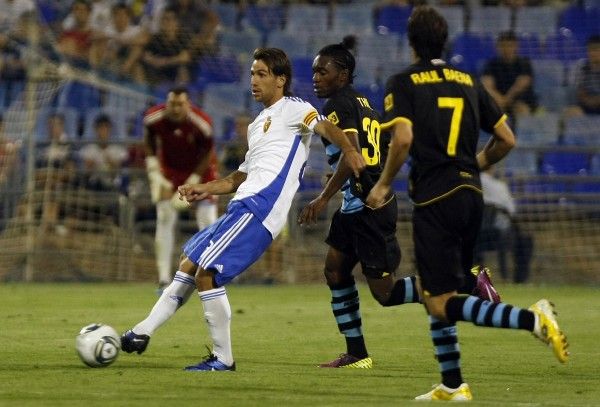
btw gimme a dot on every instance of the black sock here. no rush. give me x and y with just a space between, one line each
404 292
345 304
486 313
447 351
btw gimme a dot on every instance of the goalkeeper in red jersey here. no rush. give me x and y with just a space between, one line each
179 150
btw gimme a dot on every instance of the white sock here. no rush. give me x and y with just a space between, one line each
173 296
164 239
217 313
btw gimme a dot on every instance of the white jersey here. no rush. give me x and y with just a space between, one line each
278 145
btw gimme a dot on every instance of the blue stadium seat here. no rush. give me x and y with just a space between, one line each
295 45
218 69
352 19
392 19
491 19
530 45
223 101
79 96
455 17
538 130
302 69
118 118
265 18
470 51
240 43
379 48
541 20
595 165
520 162
582 21
228 14
565 163
71 122
307 19
550 83
564 46
3 94
584 131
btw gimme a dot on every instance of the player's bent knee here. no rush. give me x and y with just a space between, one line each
205 280
336 277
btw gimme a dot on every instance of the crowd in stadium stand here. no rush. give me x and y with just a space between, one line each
152 45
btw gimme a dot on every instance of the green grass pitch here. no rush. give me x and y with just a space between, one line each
279 334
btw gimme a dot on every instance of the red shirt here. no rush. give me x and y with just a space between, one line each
180 145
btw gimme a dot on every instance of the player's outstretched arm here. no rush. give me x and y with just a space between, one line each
335 135
198 192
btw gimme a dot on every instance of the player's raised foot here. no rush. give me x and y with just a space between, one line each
546 329
443 393
210 363
348 361
132 342
484 288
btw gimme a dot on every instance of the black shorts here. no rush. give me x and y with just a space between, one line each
369 236
444 235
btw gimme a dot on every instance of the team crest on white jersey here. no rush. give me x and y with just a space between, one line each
267 124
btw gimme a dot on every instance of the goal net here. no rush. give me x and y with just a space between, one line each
59 221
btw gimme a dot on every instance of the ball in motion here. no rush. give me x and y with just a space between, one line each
98 345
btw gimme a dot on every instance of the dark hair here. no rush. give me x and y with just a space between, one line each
102 119
341 55
427 32
178 90
278 62
507 36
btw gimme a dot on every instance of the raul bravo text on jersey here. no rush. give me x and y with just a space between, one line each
449 75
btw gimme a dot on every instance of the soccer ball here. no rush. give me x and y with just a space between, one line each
98 345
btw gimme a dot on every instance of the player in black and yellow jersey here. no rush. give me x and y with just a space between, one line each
434 112
357 233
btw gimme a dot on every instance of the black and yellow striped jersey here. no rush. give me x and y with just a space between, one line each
447 108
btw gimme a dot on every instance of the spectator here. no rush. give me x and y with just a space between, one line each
235 148
56 168
167 56
8 154
75 42
509 78
122 43
102 161
587 82
100 11
500 231
11 11
199 23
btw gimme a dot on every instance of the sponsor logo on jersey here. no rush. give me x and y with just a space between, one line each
388 102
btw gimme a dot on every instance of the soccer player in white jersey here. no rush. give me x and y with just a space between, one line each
264 186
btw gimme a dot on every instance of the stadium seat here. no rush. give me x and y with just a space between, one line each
491 20
352 19
307 19
265 18
302 69
316 41
118 118
71 122
239 43
563 46
304 90
228 14
218 69
530 45
584 131
223 101
520 162
537 130
455 17
79 96
470 51
582 21
549 84
295 45
379 48
595 165
392 19
541 20
3 94
564 163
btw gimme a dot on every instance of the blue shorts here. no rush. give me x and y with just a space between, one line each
230 245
